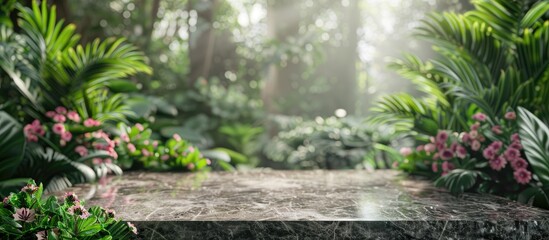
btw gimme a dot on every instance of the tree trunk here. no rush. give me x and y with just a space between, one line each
283 20
201 41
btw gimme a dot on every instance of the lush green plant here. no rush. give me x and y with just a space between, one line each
492 58
44 67
26 215
491 158
46 163
175 153
329 143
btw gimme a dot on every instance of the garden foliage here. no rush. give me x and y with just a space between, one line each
60 104
491 62
27 215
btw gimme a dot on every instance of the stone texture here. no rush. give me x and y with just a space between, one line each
266 204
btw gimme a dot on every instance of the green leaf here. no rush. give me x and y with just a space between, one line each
535 196
460 180
534 135
12 145
88 227
122 86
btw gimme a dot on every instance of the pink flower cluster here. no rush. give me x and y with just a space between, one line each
33 130
443 148
60 116
104 143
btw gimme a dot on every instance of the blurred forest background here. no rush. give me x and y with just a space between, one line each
233 73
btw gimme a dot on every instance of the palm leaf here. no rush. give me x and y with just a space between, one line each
53 169
534 136
12 145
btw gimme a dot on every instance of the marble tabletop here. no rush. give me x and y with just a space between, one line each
351 200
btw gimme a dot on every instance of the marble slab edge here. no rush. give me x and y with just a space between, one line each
458 229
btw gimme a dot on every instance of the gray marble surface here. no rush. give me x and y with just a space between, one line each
266 204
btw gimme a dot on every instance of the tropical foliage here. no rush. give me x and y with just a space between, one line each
490 59
491 62
61 102
329 143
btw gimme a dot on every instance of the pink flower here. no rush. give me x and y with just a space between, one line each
176 137
475 145
497 163
519 163
42 235
420 148
190 149
125 137
29 188
434 167
496 145
489 153
454 146
405 151
131 147
32 138
436 156
165 157
61 110
97 161
515 137
442 136
512 154
446 154
145 152
132 228
83 151
447 166
146 142
510 115
475 126
497 130
466 138
66 136
516 145
429 148
58 128
33 130
70 197
6 201
50 114
91 123
190 166
155 144
473 134
479 117
139 127
522 176
107 161
79 211
24 215
73 116
59 118
209 162
461 152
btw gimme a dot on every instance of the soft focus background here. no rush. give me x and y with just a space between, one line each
233 73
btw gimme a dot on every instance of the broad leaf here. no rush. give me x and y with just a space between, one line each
534 136
12 145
